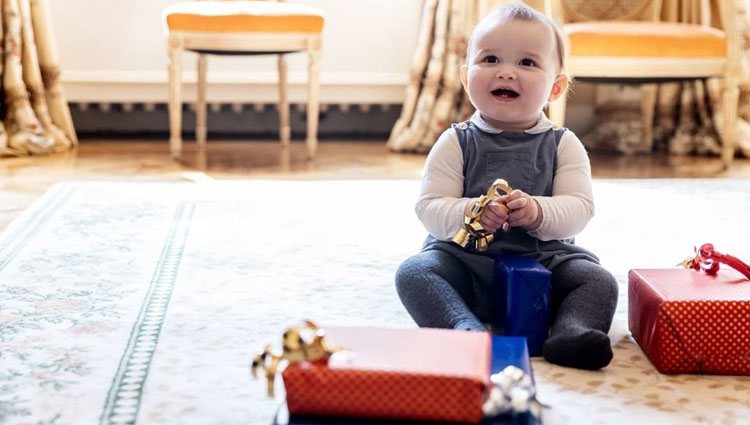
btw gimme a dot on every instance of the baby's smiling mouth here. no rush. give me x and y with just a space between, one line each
505 93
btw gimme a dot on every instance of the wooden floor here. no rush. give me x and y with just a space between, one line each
22 180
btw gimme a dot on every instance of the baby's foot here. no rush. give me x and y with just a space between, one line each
579 348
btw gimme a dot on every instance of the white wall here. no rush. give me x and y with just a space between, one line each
115 50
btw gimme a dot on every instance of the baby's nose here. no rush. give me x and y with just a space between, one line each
506 72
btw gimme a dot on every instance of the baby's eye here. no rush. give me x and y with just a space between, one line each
490 59
527 62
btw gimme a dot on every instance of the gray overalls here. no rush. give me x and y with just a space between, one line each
446 285
527 162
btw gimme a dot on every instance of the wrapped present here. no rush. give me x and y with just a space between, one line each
688 321
506 351
407 374
521 299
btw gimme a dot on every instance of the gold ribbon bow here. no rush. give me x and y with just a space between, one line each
299 343
472 232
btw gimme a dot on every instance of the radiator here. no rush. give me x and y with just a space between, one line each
232 120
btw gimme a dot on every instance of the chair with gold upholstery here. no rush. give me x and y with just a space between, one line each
623 41
239 27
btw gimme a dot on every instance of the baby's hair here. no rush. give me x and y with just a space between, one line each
519 10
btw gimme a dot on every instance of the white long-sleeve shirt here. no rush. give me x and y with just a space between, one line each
440 206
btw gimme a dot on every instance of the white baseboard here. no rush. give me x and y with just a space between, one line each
223 86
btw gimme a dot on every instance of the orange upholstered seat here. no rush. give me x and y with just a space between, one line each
243 16
648 39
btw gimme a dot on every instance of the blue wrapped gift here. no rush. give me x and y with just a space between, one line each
506 351
521 299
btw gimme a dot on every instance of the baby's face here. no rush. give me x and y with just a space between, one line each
511 72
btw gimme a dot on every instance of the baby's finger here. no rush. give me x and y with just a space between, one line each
502 199
488 225
498 209
499 217
518 218
516 194
518 203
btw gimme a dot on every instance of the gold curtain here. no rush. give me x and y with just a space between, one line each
35 115
434 96
685 113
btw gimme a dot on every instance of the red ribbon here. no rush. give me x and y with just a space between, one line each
708 259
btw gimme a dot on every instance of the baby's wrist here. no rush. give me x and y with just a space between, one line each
539 216
469 205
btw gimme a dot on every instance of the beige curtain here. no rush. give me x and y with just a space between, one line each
35 115
434 96
685 114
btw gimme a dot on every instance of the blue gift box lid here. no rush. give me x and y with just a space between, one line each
519 262
506 351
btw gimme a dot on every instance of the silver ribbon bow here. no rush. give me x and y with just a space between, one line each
512 392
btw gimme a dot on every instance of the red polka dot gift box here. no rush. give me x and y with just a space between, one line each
406 374
688 321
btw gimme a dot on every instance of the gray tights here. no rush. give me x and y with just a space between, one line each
439 291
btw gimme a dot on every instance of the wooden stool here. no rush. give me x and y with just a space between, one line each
242 28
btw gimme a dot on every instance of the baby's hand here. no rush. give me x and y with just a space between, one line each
524 210
494 216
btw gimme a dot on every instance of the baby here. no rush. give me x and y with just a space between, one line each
514 66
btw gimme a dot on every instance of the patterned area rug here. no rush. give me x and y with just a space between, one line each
144 302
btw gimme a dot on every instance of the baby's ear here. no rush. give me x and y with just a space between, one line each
464 76
559 87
